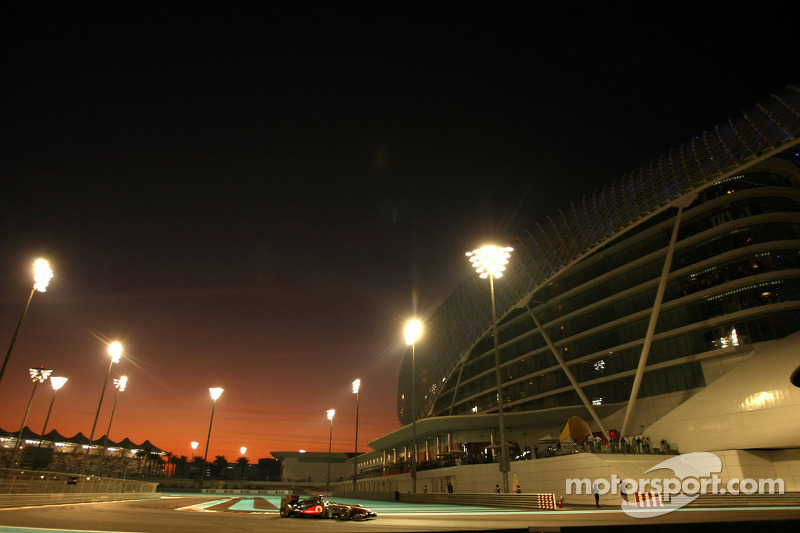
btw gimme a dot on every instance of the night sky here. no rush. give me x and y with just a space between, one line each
258 197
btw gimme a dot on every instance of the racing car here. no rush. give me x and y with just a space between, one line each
317 506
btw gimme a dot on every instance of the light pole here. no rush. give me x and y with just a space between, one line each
413 332
356 386
56 383
41 278
490 262
194 446
115 351
38 375
119 384
215 392
330 413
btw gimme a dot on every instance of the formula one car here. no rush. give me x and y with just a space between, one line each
317 506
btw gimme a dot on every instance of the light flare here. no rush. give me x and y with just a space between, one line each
57 382
413 331
115 350
42 274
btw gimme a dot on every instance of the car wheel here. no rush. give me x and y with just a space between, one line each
345 514
285 512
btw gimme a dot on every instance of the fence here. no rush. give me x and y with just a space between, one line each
29 487
520 501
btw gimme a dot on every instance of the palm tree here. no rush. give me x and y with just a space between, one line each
219 465
180 465
171 461
198 463
139 454
155 462
242 462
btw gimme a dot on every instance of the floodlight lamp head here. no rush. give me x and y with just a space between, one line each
40 375
42 274
115 350
490 260
121 383
216 392
413 331
356 386
331 412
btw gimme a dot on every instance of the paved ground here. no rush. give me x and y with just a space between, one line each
194 514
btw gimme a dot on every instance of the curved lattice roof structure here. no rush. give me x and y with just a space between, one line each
80 439
572 233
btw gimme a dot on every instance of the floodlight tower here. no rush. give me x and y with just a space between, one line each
490 262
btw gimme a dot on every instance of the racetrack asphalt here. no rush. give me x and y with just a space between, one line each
182 513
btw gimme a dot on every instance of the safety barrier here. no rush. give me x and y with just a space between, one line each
747 500
245 491
33 500
517 501
547 501
645 499
33 487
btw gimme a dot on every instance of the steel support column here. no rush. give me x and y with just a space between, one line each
571 378
651 327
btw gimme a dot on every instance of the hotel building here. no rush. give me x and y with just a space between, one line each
665 304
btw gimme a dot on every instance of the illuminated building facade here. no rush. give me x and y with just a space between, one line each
588 312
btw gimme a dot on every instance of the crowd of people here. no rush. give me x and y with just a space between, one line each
598 444
591 444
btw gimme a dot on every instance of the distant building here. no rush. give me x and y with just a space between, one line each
312 466
270 469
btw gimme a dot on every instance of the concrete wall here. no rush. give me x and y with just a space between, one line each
296 469
549 475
